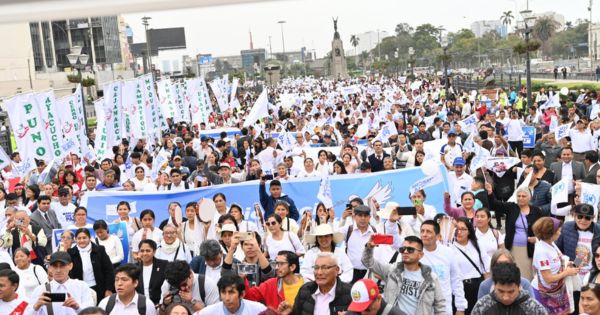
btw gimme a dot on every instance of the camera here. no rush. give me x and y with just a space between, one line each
174 292
19 222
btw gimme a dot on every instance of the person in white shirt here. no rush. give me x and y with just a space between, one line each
64 208
171 248
112 244
459 180
488 238
278 239
424 211
148 231
127 301
325 240
231 291
177 182
78 293
10 301
442 261
309 169
30 275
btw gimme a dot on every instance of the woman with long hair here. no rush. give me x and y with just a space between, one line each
140 180
282 208
473 263
323 163
278 239
592 276
147 231
419 158
133 223
32 192
324 239
70 178
112 244
339 168
549 281
489 239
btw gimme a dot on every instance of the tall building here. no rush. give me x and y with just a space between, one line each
99 38
253 59
595 44
481 27
366 42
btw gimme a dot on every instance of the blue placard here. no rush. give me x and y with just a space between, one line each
118 229
528 137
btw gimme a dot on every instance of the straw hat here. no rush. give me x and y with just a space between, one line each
389 207
322 230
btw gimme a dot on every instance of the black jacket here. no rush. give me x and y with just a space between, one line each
305 303
102 266
523 305
513 212
377 165
157 278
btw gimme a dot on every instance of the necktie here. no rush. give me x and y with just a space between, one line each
48 220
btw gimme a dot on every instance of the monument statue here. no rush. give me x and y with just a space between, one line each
337 66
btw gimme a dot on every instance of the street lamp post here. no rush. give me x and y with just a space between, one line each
527 16
78 61
283 45
146 24
445 47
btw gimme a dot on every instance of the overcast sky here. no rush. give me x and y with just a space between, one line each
224 30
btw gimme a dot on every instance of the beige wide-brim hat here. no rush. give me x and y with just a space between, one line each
387 211
227 228
323 230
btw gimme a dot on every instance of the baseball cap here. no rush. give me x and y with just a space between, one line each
62 257
459 161
222 165
363 293
362 209
451 133
204 138
581 209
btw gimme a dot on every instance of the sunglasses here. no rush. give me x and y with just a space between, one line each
408 249
584 217
596 255
272 223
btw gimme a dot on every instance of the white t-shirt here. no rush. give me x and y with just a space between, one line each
467 269
409 291
64 214
584 251
31 278
443 263
247 308
545 257
155 235
488 242
147 272
289 241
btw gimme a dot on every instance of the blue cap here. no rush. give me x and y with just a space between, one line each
459 161
203 138
451 133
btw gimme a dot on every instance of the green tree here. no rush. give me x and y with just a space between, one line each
544 29
404 29
354 40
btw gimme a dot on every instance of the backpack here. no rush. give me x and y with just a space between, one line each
201 288
349 233
141 304
185 185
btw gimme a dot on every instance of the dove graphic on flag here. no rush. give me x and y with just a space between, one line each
562 131
560 192
524 184
324 194
590 194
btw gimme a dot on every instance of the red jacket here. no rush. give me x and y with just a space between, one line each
269 292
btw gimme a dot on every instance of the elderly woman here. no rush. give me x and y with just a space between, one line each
501 256
549 281
325 240
520 217
171 248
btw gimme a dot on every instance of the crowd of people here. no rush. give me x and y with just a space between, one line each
499 245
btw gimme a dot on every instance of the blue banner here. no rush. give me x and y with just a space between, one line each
383 186
528 137
118 229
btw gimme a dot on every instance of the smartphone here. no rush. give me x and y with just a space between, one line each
406 210
244 236
199 178
56 297
268 177
577 262
383 239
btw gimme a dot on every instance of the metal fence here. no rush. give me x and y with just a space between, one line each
579 76
504 81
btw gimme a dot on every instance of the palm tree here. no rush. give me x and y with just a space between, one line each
569 25
506 19
354 40
544 28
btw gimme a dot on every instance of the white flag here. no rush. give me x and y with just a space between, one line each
553 123
259 110
69 121
218 91
426 182
112 105
80 107
480 158
26 122
590 194
233 94
324 194
47 104
562 131
134 99
500 165
560 192
166 97
149 98
4 158
525 184
102 136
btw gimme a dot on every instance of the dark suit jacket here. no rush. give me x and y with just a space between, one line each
103 268
40 221
157 278
578 170
377 165
591 175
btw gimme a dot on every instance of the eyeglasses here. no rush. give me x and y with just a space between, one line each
324 267
271 223
408 249
170 233
584 217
